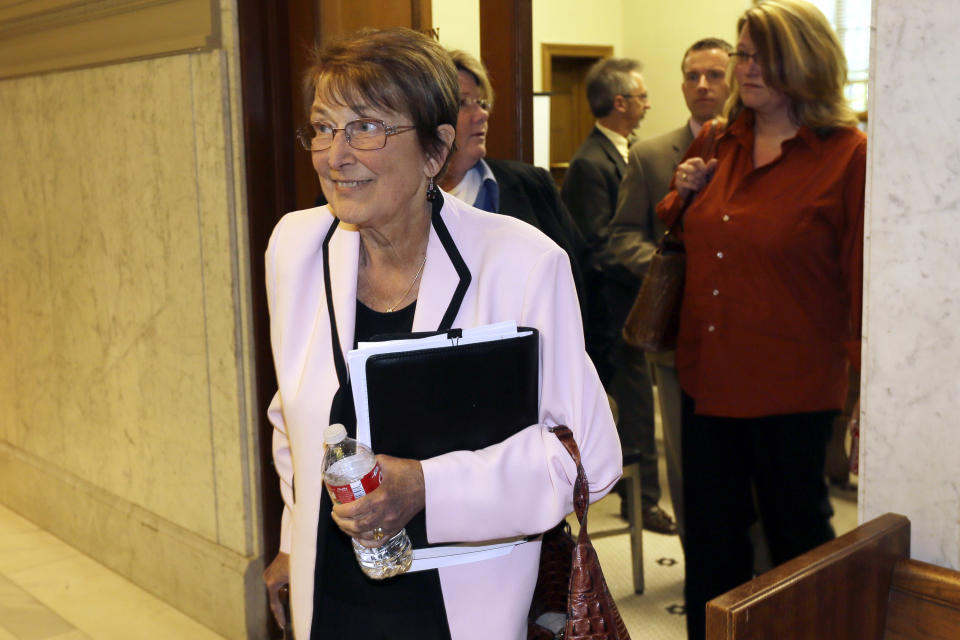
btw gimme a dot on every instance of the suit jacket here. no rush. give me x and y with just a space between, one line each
521 486
590 191
530 194
636 229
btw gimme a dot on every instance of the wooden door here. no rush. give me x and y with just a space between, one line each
564 77
570 117
506 44
340 17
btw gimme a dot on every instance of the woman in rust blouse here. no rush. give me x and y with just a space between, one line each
771 311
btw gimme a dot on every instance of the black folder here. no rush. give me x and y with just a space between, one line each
460 397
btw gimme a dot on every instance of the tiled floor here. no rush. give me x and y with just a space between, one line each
50 591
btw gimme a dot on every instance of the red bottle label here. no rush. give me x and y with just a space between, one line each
358 488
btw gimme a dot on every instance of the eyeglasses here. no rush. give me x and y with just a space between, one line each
364 134
744 58
639 96
466 103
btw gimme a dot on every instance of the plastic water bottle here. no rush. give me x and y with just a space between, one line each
351 471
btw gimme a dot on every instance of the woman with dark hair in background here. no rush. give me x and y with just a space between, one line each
771 310
391 253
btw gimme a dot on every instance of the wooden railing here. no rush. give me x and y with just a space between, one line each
860 586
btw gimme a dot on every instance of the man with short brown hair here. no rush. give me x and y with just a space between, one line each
618 99
635 229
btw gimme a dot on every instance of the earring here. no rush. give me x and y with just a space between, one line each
432 192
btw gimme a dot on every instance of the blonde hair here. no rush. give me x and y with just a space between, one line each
801 57
463 61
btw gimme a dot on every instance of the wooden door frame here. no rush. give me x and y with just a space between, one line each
506 48
421 16
267 84
549 51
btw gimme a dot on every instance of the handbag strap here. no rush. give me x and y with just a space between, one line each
709 151
591 610
581 493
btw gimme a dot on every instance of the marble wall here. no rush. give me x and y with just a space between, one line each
910 451
126 417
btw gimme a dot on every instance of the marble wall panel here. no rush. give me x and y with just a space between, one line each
218 247
128 271
246 488
912 350
120 287
127 417
26 320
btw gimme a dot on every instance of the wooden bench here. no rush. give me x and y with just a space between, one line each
861 586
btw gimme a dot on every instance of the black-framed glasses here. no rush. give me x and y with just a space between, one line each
364 134
466 103
744 58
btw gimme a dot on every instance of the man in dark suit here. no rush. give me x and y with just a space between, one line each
618 100
636 229
518 190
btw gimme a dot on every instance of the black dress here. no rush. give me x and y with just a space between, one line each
347 604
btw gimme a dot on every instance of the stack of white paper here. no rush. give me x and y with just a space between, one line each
357 359
430 557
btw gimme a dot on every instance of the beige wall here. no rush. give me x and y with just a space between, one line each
126 417
575 22
657 32
458 22
554 21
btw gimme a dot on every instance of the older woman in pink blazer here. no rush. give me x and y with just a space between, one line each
393 253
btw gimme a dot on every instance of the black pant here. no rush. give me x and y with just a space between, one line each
782 457
632 389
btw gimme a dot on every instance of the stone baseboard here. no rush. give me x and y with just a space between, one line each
214 585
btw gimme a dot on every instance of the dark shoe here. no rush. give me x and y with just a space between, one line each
659 521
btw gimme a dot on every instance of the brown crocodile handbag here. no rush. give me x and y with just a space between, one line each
570 578
655 315
654 318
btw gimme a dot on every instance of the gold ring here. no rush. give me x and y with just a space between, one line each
378 534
